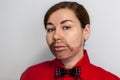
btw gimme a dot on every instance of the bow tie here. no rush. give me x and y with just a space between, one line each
74 72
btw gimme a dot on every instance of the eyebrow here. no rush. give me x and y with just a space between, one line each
62 22
49 23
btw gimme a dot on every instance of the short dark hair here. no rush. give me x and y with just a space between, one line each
79 10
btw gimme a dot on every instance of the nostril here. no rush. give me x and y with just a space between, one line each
57 35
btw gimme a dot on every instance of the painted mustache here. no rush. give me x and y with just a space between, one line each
55 46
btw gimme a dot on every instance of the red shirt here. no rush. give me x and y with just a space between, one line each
46 71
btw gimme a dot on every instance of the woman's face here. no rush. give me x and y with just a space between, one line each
65 36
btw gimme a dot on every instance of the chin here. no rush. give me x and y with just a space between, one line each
61 57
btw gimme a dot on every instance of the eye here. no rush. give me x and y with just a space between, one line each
50 29
66 27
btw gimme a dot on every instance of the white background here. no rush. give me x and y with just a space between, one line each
22 35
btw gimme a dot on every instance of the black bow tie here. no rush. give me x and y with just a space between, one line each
74 72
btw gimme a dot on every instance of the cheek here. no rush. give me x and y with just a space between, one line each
75 40
48 39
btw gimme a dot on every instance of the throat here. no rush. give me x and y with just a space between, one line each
72 61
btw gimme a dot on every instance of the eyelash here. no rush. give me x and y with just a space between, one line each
52 29
66 27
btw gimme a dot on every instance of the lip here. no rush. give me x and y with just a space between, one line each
59 48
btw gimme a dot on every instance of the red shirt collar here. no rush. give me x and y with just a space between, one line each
82 62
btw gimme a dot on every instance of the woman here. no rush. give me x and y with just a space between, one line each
68 27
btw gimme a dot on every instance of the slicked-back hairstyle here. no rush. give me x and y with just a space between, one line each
79 10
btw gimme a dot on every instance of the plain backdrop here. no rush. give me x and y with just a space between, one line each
22 35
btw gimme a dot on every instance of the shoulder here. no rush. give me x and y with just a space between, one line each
102 73
38 71
41 66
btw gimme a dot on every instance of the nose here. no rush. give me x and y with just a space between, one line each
57 35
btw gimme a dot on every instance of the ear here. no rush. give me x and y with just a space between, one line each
86 31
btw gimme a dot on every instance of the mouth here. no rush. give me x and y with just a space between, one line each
59 48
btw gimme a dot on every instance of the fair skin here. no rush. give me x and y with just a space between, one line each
65 36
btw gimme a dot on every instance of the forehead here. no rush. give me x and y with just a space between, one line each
62 14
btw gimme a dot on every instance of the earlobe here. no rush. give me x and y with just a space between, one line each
86 32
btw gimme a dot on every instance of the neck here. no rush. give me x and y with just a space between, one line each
71 61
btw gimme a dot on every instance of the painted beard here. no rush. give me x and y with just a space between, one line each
62 51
